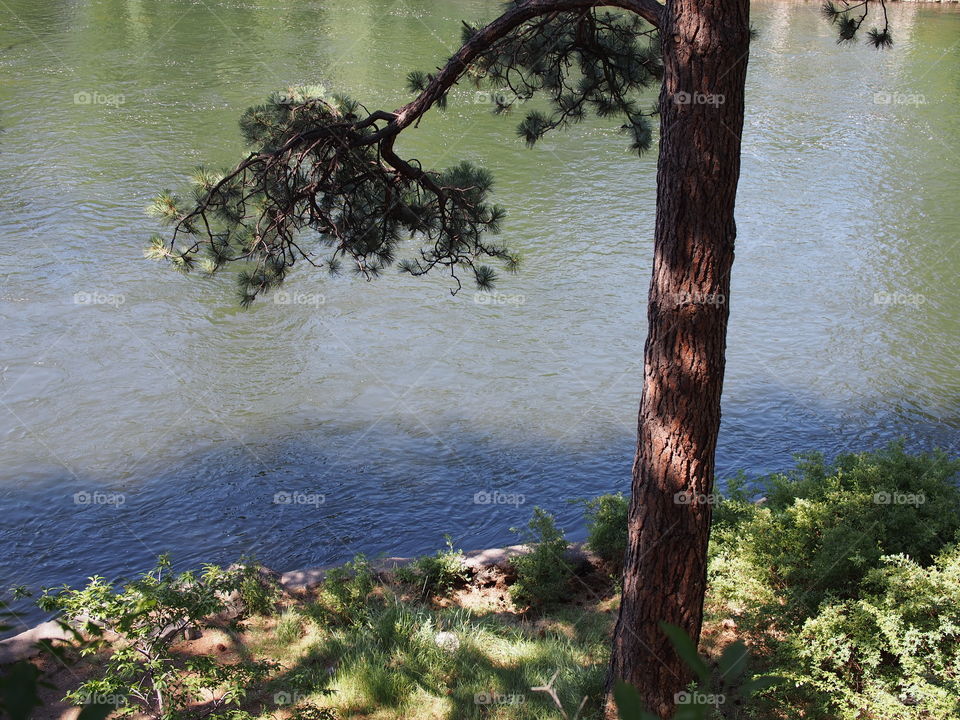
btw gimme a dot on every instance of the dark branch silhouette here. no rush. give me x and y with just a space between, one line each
327 164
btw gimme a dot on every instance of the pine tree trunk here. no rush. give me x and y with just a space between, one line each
705 47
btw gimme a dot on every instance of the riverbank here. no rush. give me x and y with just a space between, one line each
840 580
24 645
471 639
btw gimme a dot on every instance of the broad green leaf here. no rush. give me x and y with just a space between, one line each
18 690
95 711
629 704
687 651
733 661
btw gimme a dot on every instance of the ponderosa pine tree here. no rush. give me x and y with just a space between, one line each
324 185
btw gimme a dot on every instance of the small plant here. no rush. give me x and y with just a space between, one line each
854 560
289 628
543 576
259 595
149 614
606 517
893 653
406 574
346 588
824 526
309 711
440 574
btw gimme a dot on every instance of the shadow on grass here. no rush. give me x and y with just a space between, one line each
392 661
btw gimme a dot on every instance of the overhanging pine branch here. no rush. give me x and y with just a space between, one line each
483 39
327 164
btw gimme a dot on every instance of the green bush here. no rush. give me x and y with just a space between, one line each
441 573
543 575
148 615
606 517
846 573
259 596
823 527
345 589
406 574
894 653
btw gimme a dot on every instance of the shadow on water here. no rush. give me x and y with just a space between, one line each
300 500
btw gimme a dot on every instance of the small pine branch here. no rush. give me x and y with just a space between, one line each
485 277
417 81
831 11
880 39
533 127
839 14
846 28
640 132
164 207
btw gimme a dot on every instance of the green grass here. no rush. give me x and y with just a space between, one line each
397 658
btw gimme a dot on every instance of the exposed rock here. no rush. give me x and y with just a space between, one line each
446 640
478 563
24 645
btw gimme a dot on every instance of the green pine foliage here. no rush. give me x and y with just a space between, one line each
595 62
848 15
316 189
324 187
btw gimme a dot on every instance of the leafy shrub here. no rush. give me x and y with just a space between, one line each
406 574
440 574
345 589
258 594
893 653
823 527
606 517
543 575
149 614
845 572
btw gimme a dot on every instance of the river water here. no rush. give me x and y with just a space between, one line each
142 412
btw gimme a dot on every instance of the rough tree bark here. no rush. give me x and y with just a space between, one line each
705 48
